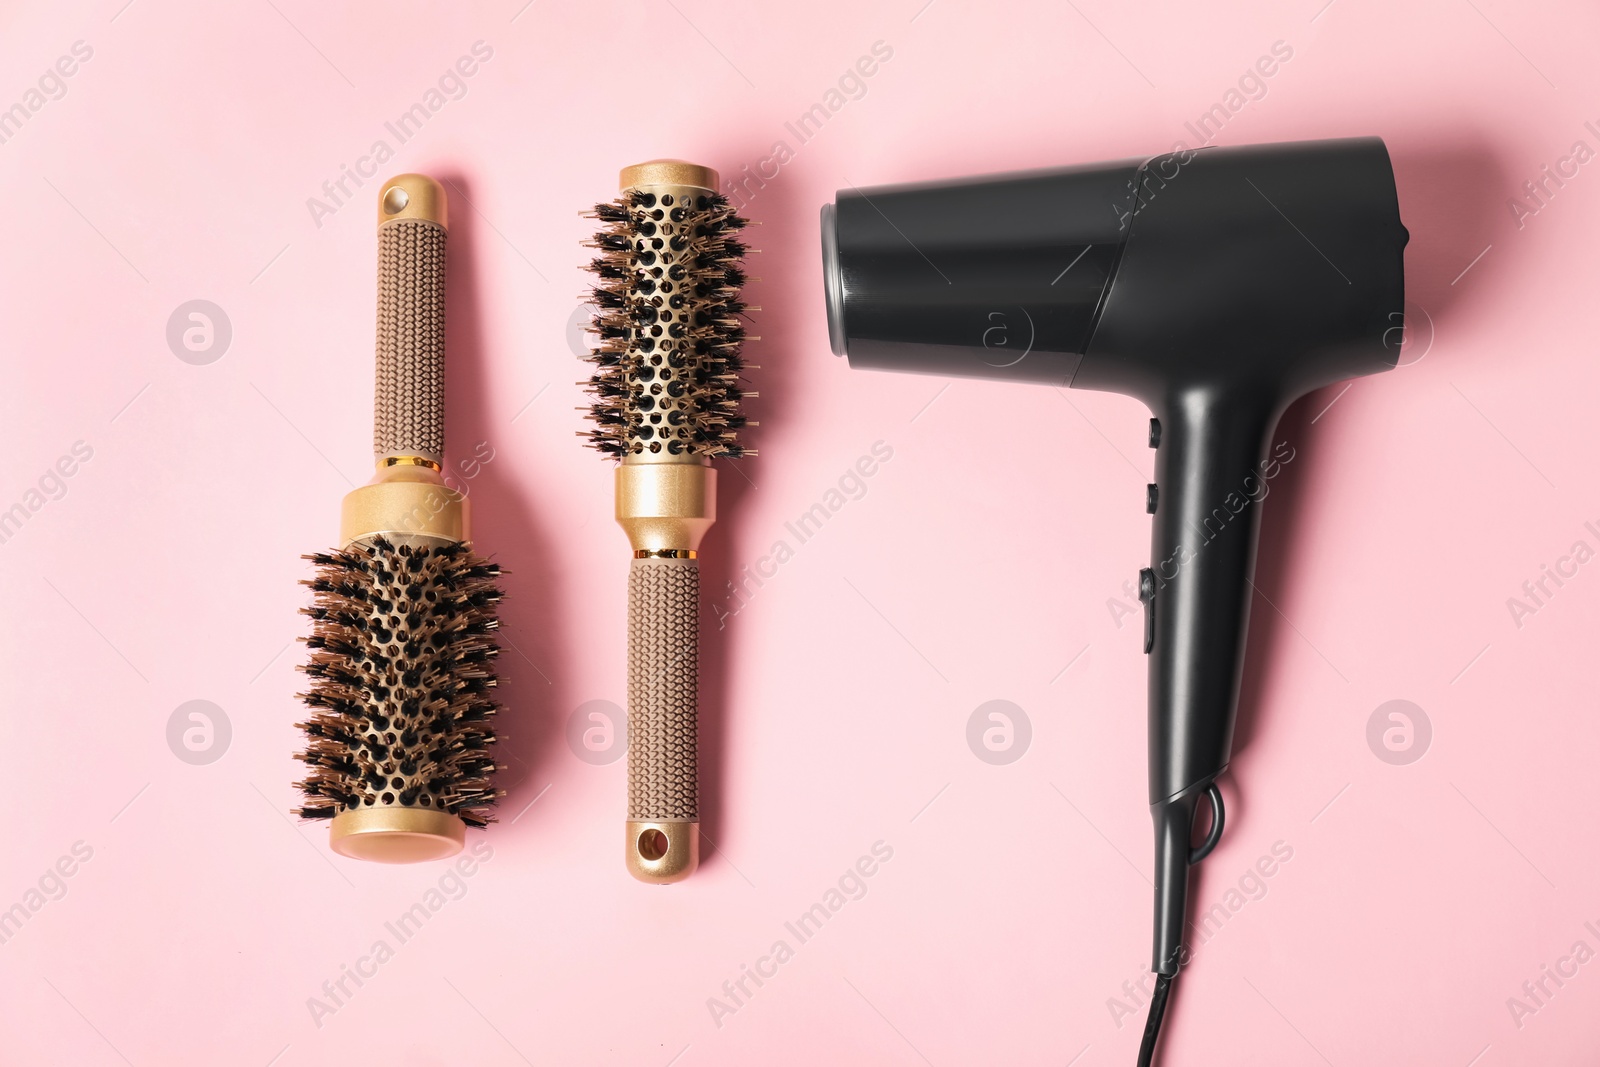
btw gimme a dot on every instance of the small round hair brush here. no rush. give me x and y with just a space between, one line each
667 394
402 650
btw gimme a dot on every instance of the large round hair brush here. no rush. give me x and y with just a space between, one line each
667 395
402 650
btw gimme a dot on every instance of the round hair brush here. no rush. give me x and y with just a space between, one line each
666 402
402 650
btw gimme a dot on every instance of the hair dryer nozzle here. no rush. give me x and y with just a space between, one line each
988 278
832 279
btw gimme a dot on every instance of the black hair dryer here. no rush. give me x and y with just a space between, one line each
1217 285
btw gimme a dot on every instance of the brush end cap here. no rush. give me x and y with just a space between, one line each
663 852
668 172
413 196
397 835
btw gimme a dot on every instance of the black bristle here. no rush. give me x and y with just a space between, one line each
669 324
388 671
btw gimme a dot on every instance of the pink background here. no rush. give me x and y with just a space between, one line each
981 562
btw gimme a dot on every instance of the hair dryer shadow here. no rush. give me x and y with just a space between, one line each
1216 285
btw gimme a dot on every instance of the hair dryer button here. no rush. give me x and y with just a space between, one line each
1155 433
1147 594
1150 495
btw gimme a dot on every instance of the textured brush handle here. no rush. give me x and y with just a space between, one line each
663 684
410 381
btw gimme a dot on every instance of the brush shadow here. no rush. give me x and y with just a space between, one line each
731 546
505 527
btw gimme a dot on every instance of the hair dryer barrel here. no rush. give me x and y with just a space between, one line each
995 278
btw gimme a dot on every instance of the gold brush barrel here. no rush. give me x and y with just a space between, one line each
666 401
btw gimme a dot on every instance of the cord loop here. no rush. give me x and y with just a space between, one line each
1197 854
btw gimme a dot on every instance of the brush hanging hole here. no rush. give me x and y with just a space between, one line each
653 843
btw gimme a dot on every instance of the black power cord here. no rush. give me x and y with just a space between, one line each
1163 989
1152 1022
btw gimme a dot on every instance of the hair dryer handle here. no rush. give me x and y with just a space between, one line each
1213 469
